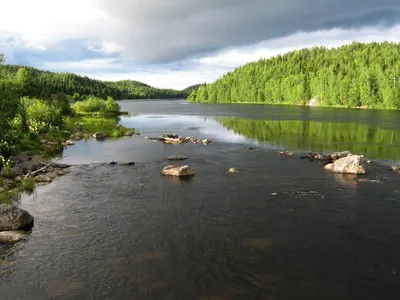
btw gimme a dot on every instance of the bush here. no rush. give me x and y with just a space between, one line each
97 106
91 105
39 116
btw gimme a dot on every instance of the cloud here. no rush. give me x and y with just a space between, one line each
87 64
210 68
162 31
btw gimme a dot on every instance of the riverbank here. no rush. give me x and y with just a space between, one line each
34 152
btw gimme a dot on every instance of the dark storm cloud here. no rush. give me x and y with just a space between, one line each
159 31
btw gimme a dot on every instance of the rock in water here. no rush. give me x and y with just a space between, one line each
126 163
396 169
177 157
99 136
337 155
351 164
14 218
233 170
129 133
173 170
43 178
12 236
170 135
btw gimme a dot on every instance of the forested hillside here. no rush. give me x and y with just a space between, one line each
42 84
355 75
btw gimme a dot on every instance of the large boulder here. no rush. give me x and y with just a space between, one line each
396 169
14 236
181 171
14 218
351 164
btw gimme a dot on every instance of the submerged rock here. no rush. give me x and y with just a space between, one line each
111 163
61 166
14 236
43 178
285 153
351 164
177 157
14 218
233 170
126 163
181 171
99 136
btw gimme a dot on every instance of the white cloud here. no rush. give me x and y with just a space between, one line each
87 64
40 22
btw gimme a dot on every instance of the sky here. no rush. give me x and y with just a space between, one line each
177 43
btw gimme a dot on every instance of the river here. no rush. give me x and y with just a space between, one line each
282 228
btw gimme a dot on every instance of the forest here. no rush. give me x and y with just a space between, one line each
42 84
356 75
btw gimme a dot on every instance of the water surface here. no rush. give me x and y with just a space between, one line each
281 229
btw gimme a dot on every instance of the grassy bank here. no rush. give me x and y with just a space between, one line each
39 132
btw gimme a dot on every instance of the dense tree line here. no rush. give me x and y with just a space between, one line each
42 84
353 75
187 91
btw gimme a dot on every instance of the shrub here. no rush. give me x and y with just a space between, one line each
91 105
40 116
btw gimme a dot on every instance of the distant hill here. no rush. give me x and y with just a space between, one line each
42 84
192 88
355 75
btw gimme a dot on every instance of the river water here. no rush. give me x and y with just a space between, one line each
282 228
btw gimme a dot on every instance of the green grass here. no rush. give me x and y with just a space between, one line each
91 125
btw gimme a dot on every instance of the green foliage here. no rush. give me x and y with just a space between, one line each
91 125
111 106
187 91
90 105
42 84
40 117
375 142
96 106
28 185
354 75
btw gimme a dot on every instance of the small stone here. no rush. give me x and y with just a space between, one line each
12 236
43 178
18 179
250 148
69 143
233 170
177 157
129 133
206 141
99 136
60 173
170 135
369 161
138 133
274 194
111 163
126 163
181 171
43 141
